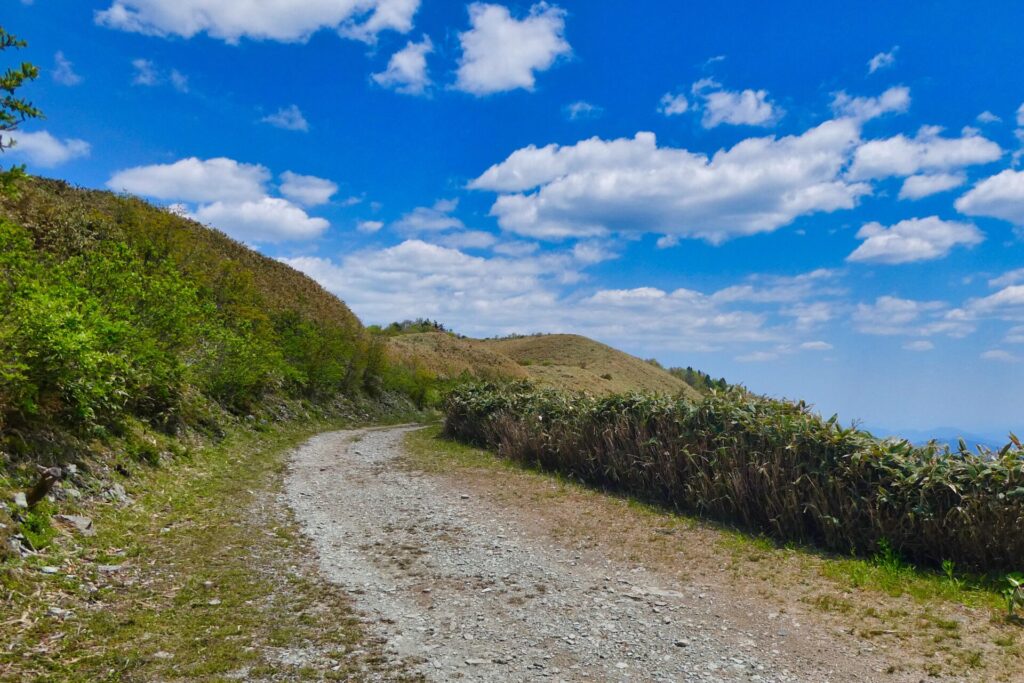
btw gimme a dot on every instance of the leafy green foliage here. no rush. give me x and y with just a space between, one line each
699 380
417 326
1014 593
768 465
36 526
112 310
14 110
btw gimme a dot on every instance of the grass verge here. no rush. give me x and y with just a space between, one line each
202 576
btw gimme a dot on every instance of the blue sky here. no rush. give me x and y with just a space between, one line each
821 202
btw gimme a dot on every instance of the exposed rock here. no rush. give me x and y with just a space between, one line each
117 494
81 524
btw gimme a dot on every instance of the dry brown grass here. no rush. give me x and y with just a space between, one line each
560 361
449 357
569 361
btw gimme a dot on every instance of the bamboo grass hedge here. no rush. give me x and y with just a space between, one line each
765 464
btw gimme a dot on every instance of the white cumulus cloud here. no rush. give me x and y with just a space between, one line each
268 219
500 52
673 104
44 150
914 239
631 185
1015 335
407 69
279 20
369 226
883 60
925 185
999 196
764 289
64 71
145 73
1006 304
580 110
436 218
736 107
486 295
287 118
307 190
895 100
179 81
927 151
1000 356
1011 277
194 180
468 239
232 196
386 15
891 315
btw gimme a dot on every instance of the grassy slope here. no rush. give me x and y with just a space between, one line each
572 361
450 357
561 361
67 219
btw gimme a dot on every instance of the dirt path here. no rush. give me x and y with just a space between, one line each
461 589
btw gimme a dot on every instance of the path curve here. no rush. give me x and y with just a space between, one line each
460 590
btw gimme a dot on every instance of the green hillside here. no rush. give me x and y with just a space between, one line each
117 313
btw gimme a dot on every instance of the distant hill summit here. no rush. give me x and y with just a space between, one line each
448 356
560 361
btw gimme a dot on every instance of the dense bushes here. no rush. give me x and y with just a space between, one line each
112 309
768 465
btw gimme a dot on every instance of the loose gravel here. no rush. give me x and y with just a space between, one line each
460 590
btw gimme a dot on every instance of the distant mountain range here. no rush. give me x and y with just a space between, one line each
946 435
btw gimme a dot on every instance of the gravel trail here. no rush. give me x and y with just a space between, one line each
462 591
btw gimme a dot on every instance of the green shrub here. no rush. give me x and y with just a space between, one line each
105 316
768 465
36 526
